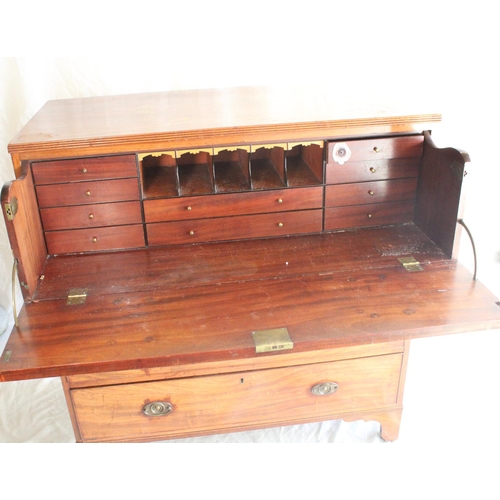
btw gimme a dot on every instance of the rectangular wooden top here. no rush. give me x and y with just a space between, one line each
211 117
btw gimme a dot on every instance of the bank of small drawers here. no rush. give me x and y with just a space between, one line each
234 216
89 204
376 185
201 405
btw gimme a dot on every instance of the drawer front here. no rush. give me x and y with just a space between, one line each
87 193
95 239
236 400
223 205
84 169
339 195
104 214
380 148
375 170
232 228
376 214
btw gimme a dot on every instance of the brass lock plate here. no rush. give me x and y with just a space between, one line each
275 339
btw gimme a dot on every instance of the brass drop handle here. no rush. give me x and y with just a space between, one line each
324 389
280 224
280 200
371 193
373 170
91 216
88 193
94 240
84 170
376 149
191 233
188 208
157 409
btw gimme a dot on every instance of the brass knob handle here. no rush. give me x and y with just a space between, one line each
91 216
324 389
369 216
188 208
157 409
84 170
88 193
280 200
280 224
191 233
376 149
94 240
371 193
373 170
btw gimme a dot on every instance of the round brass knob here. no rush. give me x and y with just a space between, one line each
369 216
191 233
376 149
94 240
371 193
188 208
280 200
91 216
373 170
84 170
280 224
88 193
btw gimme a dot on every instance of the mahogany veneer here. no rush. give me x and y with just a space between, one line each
155 233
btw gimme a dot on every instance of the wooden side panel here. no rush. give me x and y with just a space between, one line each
438 194
25 230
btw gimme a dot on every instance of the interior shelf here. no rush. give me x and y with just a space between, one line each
231 171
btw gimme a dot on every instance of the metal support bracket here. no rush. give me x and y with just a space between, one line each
11 209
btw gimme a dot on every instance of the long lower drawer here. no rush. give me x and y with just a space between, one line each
221 403
233 228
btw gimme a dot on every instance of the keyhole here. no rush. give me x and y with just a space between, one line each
241 381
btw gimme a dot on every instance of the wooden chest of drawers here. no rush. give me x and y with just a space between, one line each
187 276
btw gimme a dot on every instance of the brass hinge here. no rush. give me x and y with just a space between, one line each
275 339
11 209
77 296
411 264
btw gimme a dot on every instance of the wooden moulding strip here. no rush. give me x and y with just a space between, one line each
255 147
155 154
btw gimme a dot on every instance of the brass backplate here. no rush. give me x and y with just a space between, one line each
275 339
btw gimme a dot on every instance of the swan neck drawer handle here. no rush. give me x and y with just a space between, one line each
324 389
157 409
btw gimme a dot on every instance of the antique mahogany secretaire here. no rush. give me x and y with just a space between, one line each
198 262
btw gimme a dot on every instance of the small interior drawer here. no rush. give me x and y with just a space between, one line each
84 169
379 148
96 239
339 195
237 400
223 205
86 193
100 215
374 170
375 214
233 228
